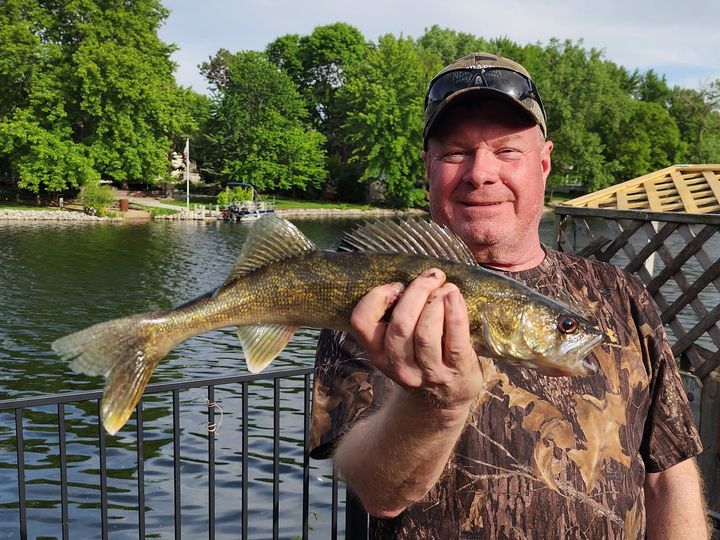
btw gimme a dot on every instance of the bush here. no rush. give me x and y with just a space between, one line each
417 198
238 193
96 198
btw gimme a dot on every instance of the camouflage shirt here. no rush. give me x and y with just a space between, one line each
540 457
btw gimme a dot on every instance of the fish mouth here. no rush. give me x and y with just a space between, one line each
587 366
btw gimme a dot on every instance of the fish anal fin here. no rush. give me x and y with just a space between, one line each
262 343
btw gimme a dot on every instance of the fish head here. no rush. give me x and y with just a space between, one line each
542 334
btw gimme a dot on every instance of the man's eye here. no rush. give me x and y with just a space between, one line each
453 157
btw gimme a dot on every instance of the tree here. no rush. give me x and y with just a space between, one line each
258 129
95 94
192 112
650 140
215 69
384 98
449 45
697 114
319 64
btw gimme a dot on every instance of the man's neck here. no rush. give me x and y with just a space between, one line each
510 262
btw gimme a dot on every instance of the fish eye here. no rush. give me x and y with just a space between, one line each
567 324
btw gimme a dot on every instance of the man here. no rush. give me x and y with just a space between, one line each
438 443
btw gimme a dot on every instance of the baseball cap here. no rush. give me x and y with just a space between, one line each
483 73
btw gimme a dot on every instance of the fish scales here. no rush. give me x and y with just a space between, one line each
282 282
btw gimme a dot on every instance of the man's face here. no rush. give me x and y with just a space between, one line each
487 167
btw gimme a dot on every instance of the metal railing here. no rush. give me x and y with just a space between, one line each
356 520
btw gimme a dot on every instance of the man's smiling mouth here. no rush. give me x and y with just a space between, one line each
483 203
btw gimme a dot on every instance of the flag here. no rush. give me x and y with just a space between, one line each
186 151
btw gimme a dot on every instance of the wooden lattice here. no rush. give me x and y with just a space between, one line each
694 189
677 256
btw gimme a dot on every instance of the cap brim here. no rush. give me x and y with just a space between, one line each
471 94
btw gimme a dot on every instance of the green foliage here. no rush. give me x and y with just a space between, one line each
44 157
158 211
418 198
257 132
237 193
384 99
88 91
449 45
96 198
319 65
697 113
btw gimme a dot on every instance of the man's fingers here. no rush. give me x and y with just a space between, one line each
429 333
457 346
401 330
367 317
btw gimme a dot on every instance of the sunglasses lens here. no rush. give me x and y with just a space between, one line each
503 80
508 82
449 83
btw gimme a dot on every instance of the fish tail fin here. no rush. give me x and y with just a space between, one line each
125 351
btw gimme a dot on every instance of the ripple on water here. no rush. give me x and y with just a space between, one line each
58 277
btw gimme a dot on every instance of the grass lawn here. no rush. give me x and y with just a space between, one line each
284 202
14 205
193 200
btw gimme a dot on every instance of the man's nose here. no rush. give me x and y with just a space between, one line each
481 168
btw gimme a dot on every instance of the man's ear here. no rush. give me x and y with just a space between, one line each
545 160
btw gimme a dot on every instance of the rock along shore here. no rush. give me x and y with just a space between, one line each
49 215
319 213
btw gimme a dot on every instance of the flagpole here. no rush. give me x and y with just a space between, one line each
187 175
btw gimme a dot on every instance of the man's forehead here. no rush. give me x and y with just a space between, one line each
464 117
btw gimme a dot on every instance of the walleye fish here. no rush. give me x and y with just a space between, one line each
282 281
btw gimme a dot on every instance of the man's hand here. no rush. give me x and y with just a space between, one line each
395 456
426 344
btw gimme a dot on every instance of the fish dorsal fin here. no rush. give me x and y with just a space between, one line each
411 236
270 239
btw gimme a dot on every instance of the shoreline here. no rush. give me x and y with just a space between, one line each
319 213
348 212
52 215
311 213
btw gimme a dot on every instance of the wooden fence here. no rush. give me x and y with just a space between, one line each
677 256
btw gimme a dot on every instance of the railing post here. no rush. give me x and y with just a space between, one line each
356 518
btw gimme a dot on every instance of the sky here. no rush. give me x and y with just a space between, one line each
676 38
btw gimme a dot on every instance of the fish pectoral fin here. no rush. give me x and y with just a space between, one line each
262 343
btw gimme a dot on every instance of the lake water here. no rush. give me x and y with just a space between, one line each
56 278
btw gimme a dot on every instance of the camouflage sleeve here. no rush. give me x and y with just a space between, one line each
670 434
346 388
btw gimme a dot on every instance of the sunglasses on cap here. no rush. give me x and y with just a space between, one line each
506 81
